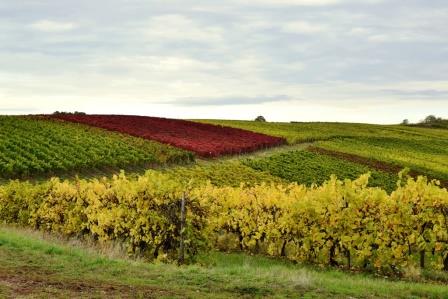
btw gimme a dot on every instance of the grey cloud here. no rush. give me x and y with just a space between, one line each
423 93
164 49
231 100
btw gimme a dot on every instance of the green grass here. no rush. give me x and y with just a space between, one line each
41 266
307 168
30 146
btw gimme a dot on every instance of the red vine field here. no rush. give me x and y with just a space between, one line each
206 140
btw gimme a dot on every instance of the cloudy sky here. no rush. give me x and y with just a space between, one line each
372 61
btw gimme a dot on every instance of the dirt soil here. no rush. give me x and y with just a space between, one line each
28 283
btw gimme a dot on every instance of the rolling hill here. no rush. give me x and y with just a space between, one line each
324 199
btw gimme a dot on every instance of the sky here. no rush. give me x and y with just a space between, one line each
374 61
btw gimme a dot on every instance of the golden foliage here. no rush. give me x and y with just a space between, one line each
342 223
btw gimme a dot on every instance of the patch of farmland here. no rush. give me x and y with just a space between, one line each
31 146
308 168
204 139
221 173
299 132
428 156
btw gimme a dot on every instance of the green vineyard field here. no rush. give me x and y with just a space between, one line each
423 150
222 173
30 146
425 155
315 131
311 168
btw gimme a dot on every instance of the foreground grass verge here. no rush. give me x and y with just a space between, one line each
33 265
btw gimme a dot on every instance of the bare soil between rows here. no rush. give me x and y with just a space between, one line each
25 283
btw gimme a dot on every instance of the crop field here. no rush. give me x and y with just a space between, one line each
203 139
425 155
30 146
315 131
423 150
343 223
309 168
308 204
222 173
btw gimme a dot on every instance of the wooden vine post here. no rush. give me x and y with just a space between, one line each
182 227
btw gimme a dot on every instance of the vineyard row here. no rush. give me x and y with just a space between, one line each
343 223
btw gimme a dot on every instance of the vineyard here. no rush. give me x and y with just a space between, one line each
297 132
425 155
204 139
335 196
312 168
338 223
30 146
222 173
424 151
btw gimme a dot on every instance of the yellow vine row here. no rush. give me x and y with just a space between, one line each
343 223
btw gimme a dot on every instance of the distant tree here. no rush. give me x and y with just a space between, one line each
260 118
405 122
69 113
430 119
59 113
433 122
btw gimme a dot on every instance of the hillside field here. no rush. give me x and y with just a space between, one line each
276 210
204 139
423 150
31 146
